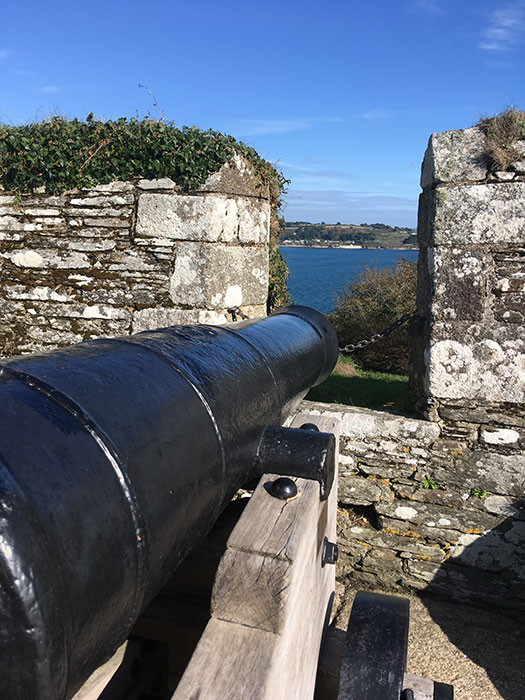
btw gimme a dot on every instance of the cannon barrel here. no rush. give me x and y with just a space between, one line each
116 458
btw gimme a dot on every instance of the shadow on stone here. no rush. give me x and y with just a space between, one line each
485 620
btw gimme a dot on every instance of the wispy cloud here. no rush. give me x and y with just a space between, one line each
428 7
253 127
378 113
24 73
506 28
350 206
48 89
315 172
336 198
5 53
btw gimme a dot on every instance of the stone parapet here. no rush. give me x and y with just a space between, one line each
471 287
131 256
422 509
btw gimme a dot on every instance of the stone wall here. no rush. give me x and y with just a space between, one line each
471 233
125 257
396 532
438 503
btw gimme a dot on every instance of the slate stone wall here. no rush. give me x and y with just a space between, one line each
394 533
126 257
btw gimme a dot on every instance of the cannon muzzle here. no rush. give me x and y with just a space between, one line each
116 458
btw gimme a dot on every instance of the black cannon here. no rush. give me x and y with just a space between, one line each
116 458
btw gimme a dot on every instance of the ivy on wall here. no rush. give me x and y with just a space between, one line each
59 154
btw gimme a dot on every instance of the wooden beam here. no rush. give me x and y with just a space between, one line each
270 598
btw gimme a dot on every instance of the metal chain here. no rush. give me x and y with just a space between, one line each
352 347
236 311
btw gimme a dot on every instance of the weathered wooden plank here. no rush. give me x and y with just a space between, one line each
223 664
99 679
270 599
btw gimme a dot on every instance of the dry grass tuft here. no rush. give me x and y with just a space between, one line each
502 132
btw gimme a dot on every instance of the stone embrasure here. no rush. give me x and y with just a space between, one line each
81 265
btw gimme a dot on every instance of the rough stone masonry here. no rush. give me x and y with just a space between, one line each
439 503
130 256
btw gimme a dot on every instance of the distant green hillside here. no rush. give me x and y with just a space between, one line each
366 235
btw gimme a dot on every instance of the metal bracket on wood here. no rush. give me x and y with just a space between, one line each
301 452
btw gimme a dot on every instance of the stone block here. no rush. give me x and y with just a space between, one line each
493 414
236 177
455 156
163 183
494 551
504 175
496 473
518 166
47 258
198 218
107 223
362 492
102 201
430 515
477 362
370 425
485 214
509 286
116 186
499 436
218 276
159 317
505 506
460 278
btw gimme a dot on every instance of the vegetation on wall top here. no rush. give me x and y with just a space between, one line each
60 154
502 133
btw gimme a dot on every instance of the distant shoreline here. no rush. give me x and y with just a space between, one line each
347 247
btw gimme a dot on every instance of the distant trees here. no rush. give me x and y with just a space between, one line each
338 233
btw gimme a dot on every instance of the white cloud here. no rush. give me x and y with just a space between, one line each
349 206
5 53
315 172
48 89
428 7
505 29
378 113
252 127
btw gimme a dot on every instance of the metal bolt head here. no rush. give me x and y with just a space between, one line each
283 488
309 426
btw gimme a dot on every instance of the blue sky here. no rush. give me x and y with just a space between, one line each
342 96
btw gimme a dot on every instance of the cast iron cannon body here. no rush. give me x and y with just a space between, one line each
116 458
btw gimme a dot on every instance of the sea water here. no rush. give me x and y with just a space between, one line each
317 275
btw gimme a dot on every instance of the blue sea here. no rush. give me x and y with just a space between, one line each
318 274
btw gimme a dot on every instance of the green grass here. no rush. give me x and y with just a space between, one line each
367 389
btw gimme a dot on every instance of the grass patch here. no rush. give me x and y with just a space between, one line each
356 387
